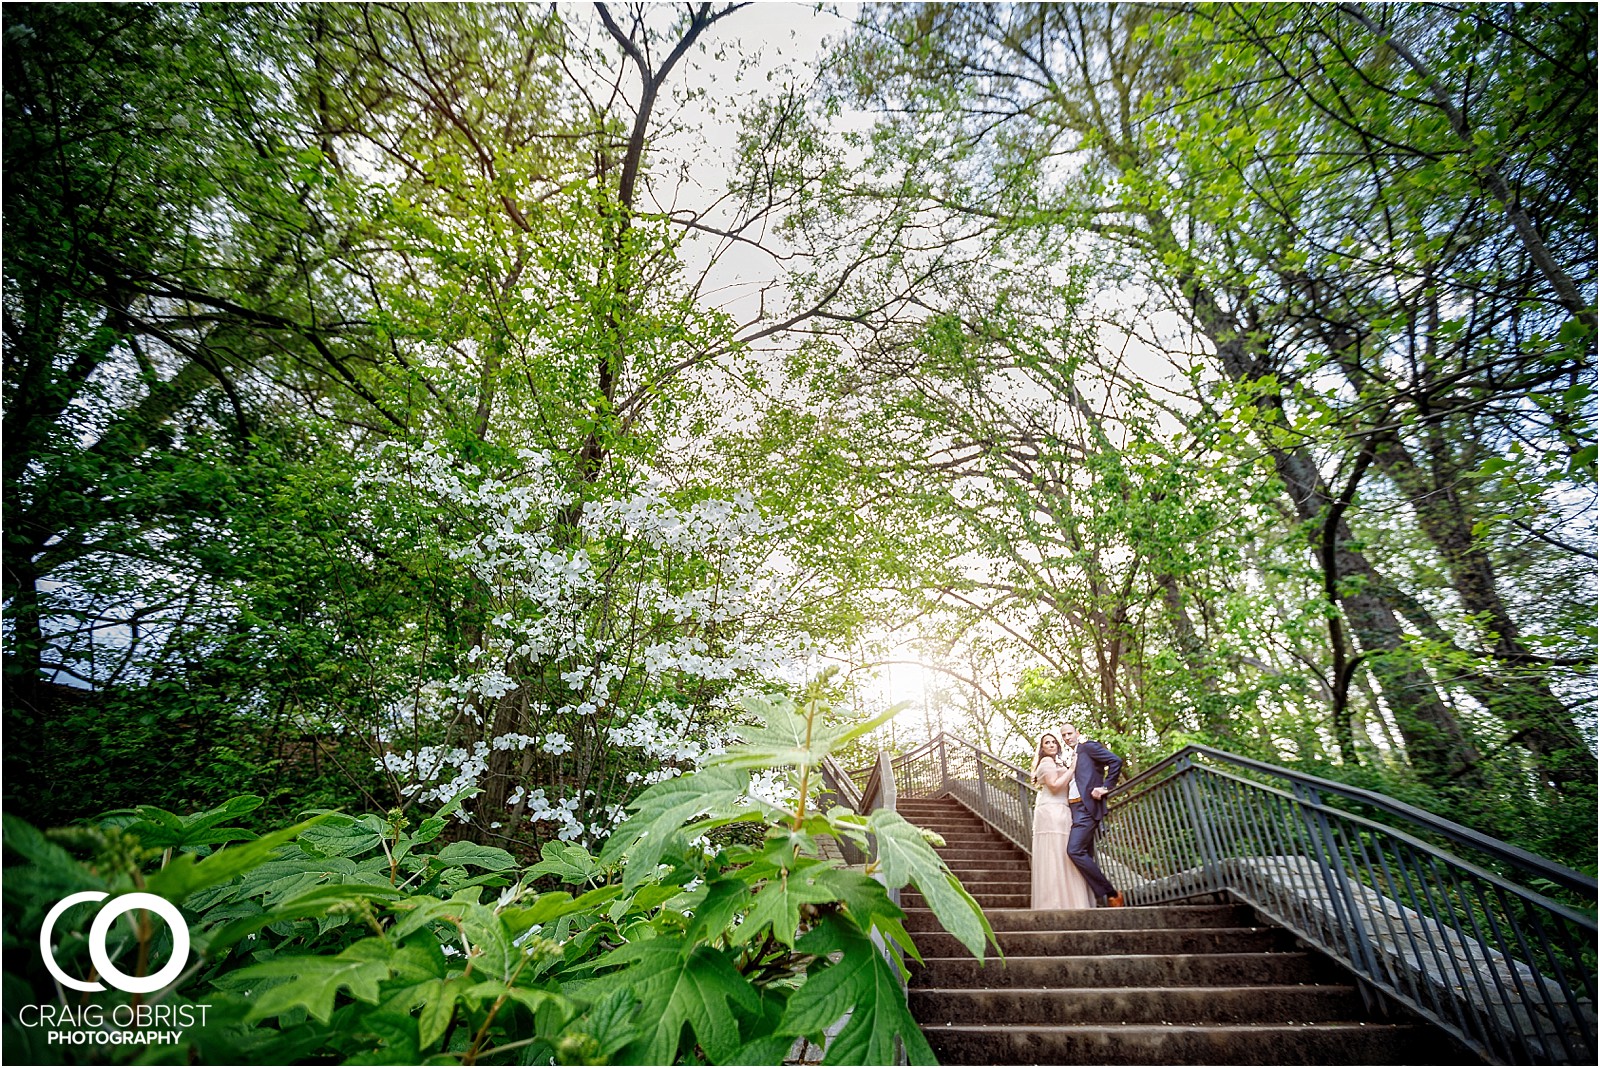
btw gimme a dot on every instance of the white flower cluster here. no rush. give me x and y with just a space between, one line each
430 764
700 605
774 786
706 527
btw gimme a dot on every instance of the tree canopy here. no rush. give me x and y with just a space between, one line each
408 399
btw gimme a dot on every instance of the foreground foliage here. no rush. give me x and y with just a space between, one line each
363 939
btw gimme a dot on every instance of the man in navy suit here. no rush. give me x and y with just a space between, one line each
1094 774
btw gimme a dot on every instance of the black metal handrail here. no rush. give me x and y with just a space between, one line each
1506 970
1529 865
991 786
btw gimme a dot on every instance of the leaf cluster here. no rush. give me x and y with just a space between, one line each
370 940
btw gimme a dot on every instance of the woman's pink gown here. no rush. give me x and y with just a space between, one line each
1057 882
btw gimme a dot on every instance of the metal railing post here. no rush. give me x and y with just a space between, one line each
1335 879
1027 809
1211 861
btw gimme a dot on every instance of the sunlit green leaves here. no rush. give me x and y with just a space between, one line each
679 983
791 735
863 984
907 858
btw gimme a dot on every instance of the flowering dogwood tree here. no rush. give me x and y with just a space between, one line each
593 649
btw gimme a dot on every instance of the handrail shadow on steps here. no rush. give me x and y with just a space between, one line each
1465 943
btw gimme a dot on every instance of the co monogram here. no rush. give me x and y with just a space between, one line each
131 984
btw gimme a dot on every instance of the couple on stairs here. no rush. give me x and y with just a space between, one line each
1073 775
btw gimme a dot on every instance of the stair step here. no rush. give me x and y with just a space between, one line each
1125 1005
993 875
1002 885
1340 1043
910 899
1174 984
1103 942
1155 969
1008 857
1135 917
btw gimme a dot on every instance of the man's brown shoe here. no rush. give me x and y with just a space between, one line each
1115 901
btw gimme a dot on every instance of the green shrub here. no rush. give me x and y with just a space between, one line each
357 940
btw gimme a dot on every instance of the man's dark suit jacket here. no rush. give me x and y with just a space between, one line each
1097 766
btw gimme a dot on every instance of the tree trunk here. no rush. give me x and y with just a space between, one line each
1435 741
1522 699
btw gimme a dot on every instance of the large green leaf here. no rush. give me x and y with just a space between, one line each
867 902
907 857
662 810
438 1006
161 829
420 911
187 873
719 903
462 854
778 903
345 838
862 983
678 982
766 1045
313 981
494 953
556 904
53 873
611 1023
788 736
570 863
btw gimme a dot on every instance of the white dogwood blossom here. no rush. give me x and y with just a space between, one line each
617 651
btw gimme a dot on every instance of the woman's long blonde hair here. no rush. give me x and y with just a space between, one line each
1040 754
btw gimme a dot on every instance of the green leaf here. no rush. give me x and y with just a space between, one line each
677 983
463 854
160 829
862 984
778 902
611 1022
438 1006
397 1035
421 911
787 736
723 898
661 811
567 862
187 873
1493 465
314 982
534 999
906 857
556 904
765 1045
349 839
50 860
495 956
867 902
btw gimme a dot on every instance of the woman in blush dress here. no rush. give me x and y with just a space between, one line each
1057 882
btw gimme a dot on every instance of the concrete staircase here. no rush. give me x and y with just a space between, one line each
1174 984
